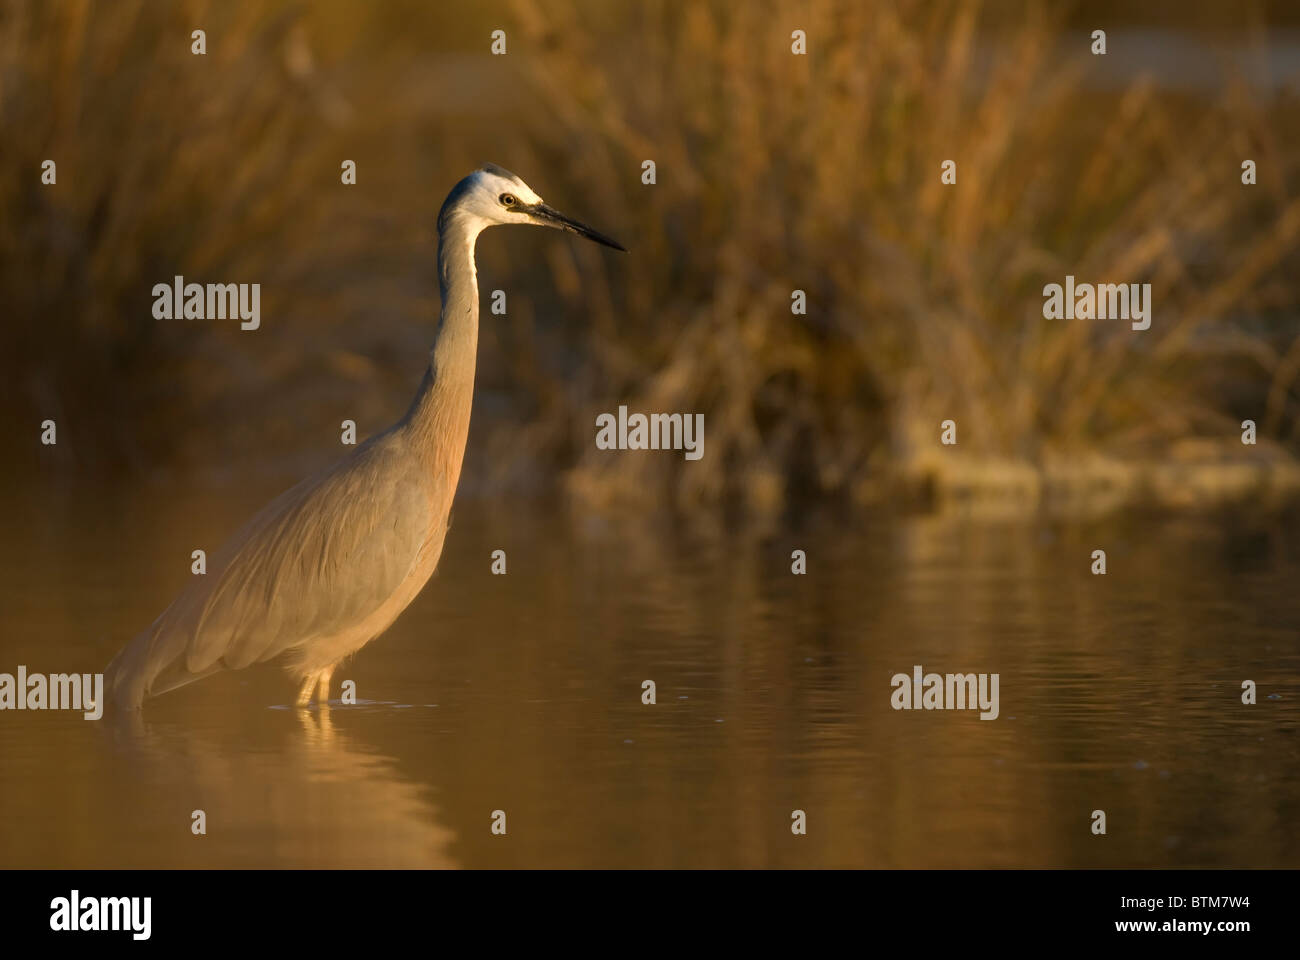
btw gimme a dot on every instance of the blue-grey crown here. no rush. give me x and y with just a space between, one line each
499 171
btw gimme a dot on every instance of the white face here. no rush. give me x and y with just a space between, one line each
492 195
499 198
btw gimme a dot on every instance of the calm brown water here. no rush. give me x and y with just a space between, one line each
523 693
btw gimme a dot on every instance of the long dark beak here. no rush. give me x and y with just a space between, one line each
553 218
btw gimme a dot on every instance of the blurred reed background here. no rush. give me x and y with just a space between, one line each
775 172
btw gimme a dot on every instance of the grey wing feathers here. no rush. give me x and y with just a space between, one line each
317 560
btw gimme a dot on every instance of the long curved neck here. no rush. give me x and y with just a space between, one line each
456 343
438 420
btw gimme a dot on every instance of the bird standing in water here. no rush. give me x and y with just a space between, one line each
328 565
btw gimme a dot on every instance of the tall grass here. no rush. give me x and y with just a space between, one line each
775 173
221 168
822 173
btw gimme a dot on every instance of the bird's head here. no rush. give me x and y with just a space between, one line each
492 195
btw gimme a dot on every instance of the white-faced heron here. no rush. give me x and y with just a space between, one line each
327 566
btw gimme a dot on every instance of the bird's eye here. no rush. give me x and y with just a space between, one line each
507 199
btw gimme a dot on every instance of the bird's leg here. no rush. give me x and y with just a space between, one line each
323 689
304 694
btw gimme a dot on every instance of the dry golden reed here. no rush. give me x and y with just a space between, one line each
775 172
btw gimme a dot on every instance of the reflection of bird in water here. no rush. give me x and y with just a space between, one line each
327 566
280 789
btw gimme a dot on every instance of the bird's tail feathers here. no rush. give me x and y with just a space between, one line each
145 668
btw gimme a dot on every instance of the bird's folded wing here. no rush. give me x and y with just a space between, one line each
316 561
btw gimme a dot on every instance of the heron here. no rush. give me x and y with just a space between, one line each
328 565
